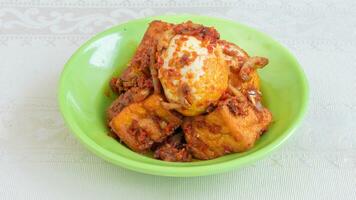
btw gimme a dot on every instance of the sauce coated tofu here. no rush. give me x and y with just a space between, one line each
233 126
139 125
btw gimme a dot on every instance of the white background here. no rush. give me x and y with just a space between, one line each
40 159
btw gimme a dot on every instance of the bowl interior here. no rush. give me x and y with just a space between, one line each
84 94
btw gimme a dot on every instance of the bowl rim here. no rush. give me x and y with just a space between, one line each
180 171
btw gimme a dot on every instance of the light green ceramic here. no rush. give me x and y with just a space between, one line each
84 86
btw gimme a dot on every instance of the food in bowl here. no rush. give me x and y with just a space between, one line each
187 94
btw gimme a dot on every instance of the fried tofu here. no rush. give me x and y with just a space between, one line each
233 126
141 124
138 72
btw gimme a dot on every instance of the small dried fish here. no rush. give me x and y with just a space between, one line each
250 65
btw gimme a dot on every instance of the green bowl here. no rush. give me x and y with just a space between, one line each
84 94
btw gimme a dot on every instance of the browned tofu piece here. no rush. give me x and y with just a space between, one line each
141 124
233 126
136 82
138 72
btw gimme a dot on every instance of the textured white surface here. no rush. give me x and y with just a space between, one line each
40 159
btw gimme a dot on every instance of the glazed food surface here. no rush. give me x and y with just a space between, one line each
187 94
192 75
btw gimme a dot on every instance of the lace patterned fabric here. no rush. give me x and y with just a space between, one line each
40 159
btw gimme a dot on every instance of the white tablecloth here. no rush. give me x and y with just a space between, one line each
40 159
